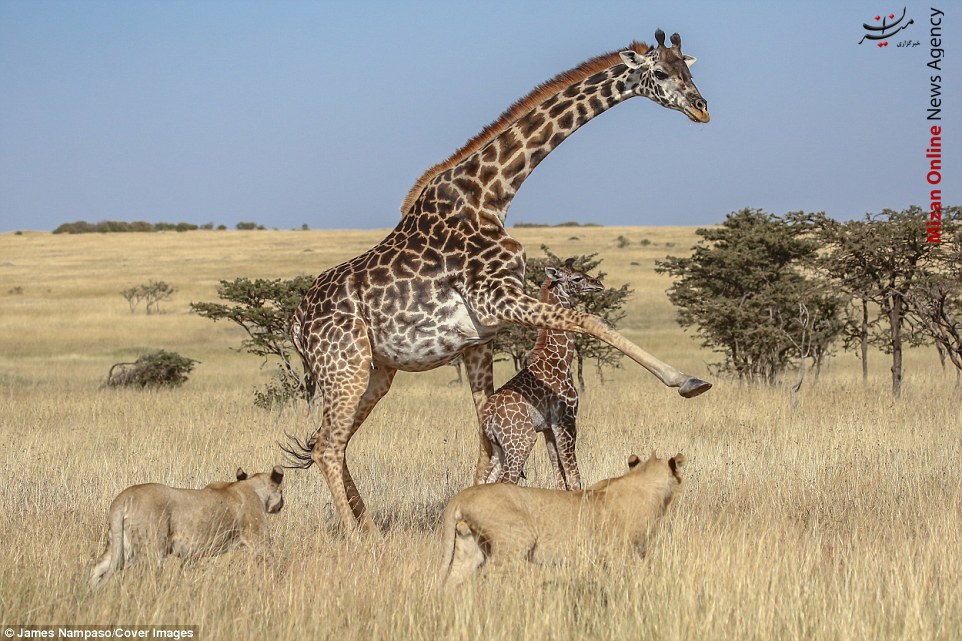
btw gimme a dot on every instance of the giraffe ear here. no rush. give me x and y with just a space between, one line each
633 59
689 60
552 273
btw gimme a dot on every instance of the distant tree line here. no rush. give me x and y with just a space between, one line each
111 226
770 293
570 223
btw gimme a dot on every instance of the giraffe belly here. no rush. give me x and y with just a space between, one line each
539 420
417 342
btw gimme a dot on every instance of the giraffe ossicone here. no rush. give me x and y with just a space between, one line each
449 275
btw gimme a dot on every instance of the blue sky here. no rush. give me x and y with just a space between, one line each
324 113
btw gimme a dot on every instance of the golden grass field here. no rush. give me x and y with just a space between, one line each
841 520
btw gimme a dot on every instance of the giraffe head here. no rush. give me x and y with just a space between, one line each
567 280
662 74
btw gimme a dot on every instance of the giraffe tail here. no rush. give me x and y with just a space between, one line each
298 451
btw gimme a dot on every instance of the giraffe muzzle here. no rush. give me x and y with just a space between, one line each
697 110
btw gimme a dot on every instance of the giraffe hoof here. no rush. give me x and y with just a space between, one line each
693 387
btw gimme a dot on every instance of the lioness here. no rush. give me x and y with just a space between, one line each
501 522
187 523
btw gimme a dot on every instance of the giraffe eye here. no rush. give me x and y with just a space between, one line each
660 75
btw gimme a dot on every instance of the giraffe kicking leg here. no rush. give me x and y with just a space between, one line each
478 361
530 312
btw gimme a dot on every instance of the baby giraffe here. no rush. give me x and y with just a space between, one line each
541 397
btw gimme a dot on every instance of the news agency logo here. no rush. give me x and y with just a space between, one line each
882 29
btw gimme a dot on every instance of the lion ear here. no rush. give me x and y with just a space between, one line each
277 475
633 461
675 462
241 474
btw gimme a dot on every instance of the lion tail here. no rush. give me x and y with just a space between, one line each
449 524
118 539
113 558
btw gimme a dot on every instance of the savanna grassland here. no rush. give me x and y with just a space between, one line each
841 520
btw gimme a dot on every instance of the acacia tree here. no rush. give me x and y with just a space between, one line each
881 260
153 292
263 309
742 289
516 341
156 292
936 303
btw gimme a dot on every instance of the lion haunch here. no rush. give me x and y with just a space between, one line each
159 521
502 522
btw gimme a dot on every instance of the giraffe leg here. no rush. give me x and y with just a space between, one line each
551 444
530 312
491 428
516 455
378 385
495 466
564 436
478 361
343 384
330 455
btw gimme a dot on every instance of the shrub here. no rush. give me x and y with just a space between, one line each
156 369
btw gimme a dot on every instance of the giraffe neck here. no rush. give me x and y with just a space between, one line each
554 344
511 157
484 176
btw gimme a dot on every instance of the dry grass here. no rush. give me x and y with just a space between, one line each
841 521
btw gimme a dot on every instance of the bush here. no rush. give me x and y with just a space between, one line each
279 390
156 369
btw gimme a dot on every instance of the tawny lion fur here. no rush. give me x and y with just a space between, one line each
162 521
503 522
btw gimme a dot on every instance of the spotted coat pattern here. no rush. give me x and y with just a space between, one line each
541 397
449 275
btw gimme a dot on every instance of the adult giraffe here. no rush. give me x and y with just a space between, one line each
449 275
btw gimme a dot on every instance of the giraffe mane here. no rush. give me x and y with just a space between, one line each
511 115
